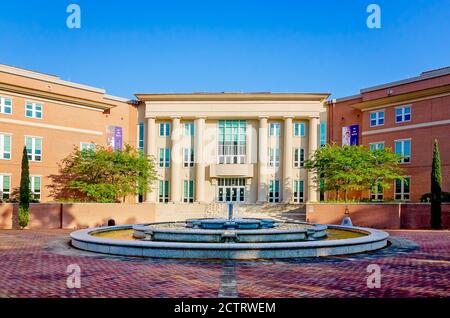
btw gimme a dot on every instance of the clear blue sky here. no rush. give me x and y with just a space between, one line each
137 46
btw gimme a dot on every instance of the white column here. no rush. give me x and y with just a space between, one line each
200 162
262 160
151 151
287 161
176 158
313 190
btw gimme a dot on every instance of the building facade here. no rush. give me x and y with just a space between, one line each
229 147
406 116
50 117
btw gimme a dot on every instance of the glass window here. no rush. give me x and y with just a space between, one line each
323 134
34 148
274 129
377 118
141 136
376 146
188 191
33 110
299 157
188 157
403 114
189 129
5 187
5 146
298 191
377 193
274 157
163 191
35 187
232 141
403 189
5 105
87 146
164 129
299 129
274 191
164 157
403 148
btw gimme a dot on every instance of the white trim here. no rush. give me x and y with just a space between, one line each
45 100
2 106
32 185
11 145
403 189
33 147
377 143
403 113
33 109
26 123
377 117
421 125
402 140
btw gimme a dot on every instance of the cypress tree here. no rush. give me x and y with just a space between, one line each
24 195
436 189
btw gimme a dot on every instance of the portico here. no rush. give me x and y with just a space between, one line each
232 147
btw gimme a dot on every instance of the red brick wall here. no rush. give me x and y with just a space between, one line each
77 215
380 216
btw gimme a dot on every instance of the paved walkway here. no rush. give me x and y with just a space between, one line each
34 263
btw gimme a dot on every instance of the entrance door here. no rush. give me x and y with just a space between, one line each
231 190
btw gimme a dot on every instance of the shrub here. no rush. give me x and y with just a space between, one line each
23 217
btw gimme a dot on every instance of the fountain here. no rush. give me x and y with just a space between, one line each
229 238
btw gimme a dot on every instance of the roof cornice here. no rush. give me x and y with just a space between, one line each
319 97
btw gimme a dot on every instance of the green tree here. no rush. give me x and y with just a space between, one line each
24 193
103 175
436 189
347 168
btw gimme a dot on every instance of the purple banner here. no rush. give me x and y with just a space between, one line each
114 137
350 135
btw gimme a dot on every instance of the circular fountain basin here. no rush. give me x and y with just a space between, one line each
177 232
306 241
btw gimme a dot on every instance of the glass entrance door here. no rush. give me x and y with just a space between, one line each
231 190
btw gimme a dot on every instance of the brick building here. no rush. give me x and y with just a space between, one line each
406 116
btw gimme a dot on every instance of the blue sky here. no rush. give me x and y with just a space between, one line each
138 46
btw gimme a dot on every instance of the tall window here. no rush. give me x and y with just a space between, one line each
376 193
403 114
402 189
232 141
33 110
164 129
377 118
35 187
274 191
274 157
163 191
34 148
141 134
189 129
188 157
5 105
5 146
403 148
323 134
376 146
298 191
274 129
188 191
5 187
164 157
299 157
299 129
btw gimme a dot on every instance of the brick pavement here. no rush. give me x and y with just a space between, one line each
33 264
